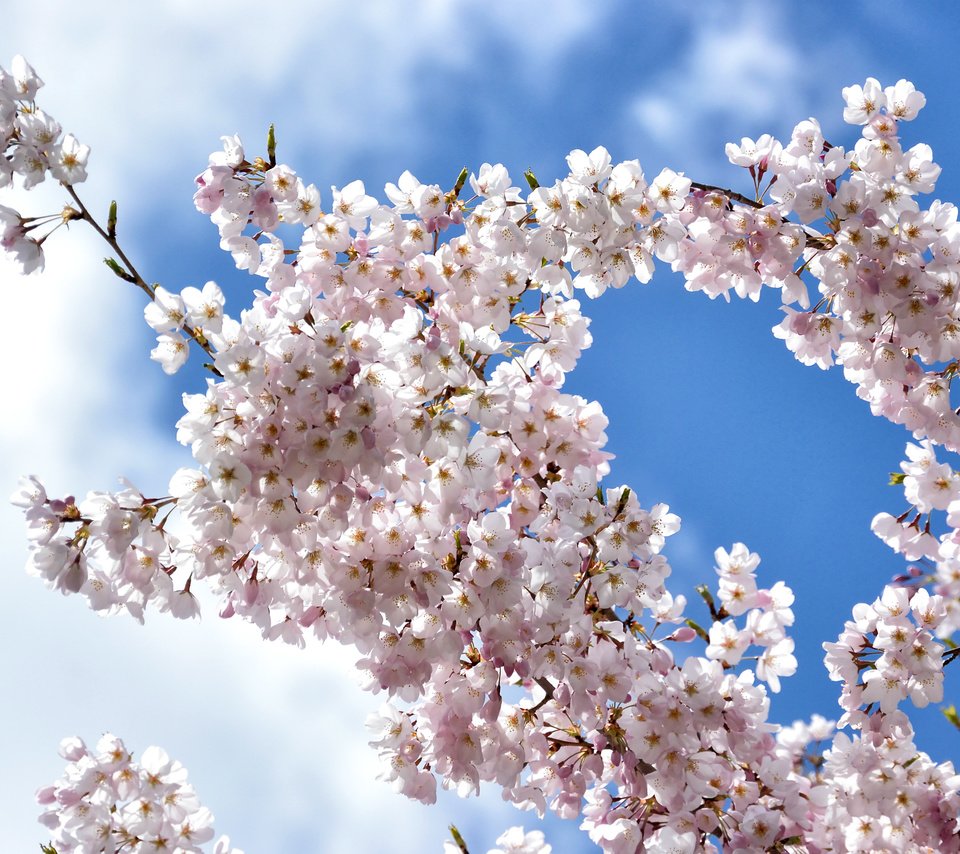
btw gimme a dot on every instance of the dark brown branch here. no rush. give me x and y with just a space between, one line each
730 194
813 241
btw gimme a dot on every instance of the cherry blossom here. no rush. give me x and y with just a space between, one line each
385 456
106 801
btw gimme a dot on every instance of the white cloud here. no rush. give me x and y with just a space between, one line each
740 69
341 79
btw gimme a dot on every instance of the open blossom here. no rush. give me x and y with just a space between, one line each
752 153
166 312
863 102
775 662
68 163
669 191
171 352
22 249
204 307
903 100
516 841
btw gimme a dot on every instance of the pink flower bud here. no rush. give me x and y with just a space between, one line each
68 797
347 390
250 591
661 661
47 795
593 765
310 616
490 710
72 748
870 284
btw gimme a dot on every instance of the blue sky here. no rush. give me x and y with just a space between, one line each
708 411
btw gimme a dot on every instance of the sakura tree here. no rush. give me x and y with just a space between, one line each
385 457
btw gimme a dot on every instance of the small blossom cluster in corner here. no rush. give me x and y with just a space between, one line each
107 802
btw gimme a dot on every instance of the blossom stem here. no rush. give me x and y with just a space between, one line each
135 277
458 839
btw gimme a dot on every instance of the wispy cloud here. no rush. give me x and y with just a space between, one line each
740 71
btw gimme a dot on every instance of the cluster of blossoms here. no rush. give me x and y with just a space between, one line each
873 791
888 652
33 145
887 270
385 457
929 486
768 616
107 802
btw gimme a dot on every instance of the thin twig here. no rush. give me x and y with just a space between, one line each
136 278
